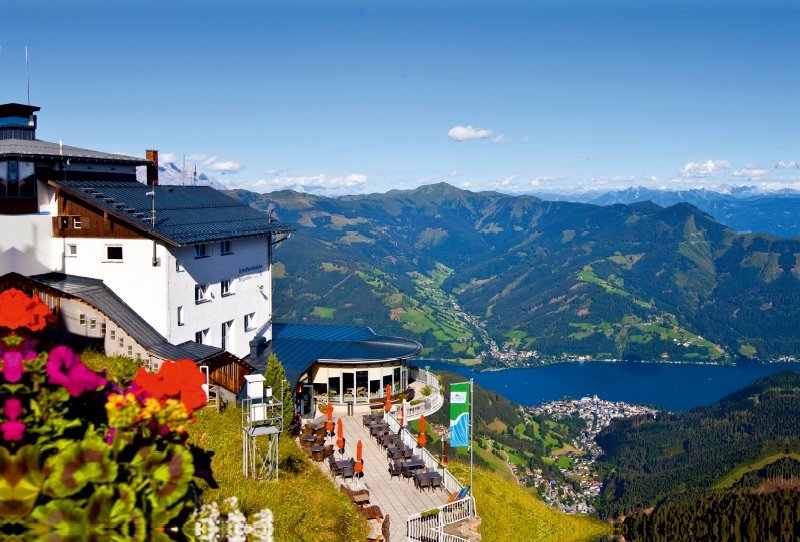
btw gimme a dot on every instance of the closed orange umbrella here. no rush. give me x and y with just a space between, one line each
422 440
359 466
340 434
388 405
329 425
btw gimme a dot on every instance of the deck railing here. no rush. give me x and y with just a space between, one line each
430 404
448 480
431 527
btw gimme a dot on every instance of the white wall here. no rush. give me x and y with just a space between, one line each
134 279
247 269
26 245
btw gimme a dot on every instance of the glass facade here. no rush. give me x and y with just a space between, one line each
17 180
358 383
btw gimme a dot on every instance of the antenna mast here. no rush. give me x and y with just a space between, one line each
28 75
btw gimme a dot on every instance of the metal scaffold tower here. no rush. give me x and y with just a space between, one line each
262 423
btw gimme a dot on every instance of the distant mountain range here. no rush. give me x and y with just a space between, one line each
170 173
561 278
743 208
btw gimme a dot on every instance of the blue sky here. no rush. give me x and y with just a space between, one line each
342 97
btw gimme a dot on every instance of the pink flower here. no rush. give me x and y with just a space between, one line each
12 408
65 368
12 430
12 364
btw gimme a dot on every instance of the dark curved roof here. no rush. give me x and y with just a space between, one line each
40 150
298 347
101 297
184 214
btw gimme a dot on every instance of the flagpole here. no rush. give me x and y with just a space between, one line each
470 438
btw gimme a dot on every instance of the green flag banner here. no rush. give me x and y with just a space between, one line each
459 415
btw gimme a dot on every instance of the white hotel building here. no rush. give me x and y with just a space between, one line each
161 272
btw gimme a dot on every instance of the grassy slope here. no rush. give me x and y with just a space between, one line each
306 505
509 512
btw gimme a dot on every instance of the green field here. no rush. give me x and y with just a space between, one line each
737 474
323 312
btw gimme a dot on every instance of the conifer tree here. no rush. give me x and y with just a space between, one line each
275 376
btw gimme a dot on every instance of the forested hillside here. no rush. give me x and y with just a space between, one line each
678 457
558 278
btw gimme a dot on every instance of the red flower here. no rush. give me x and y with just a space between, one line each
64 367
180 379
19 310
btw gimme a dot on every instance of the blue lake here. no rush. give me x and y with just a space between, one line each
671 386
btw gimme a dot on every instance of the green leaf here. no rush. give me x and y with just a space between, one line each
63 520
20 481
172 477
79 464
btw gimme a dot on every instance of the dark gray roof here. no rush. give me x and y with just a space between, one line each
98 295
40 150
184 214
298 347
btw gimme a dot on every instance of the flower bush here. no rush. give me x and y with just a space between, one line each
83 457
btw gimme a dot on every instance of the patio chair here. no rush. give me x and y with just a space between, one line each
318 455
398 454
414 457
321 432
394 470
306 431
371 512
422 482
407 473
329 450
408 453
436 483
429 470
348 472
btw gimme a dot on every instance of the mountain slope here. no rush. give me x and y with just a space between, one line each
677 457
446 266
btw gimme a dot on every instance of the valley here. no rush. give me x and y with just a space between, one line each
500 281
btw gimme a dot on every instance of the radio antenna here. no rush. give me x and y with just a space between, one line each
28 75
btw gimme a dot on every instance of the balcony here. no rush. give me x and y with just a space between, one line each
419 379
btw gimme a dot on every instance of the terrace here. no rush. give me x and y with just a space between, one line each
403 481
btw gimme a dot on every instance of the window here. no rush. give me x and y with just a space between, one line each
226 331
92 324
201 293
180 316
121 343
200 250
200 336
114 253
130 351
76 222
225 248
82 319
249 321
72 250
225 286
138 355
112 335
103 328
17 180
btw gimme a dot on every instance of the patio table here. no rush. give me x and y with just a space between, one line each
342 463
360 499
418 464
318 425
317 449
309 438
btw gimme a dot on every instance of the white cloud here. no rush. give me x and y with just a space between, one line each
461 133
704 170
784 165
227 166
315 183
536 182
525 139
196 157
466 184
508 180
499 139
750 172
209 161
653 179
166 157
794 184
278 171
453 174
424 181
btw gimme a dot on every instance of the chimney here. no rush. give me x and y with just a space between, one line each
152 170
257 346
